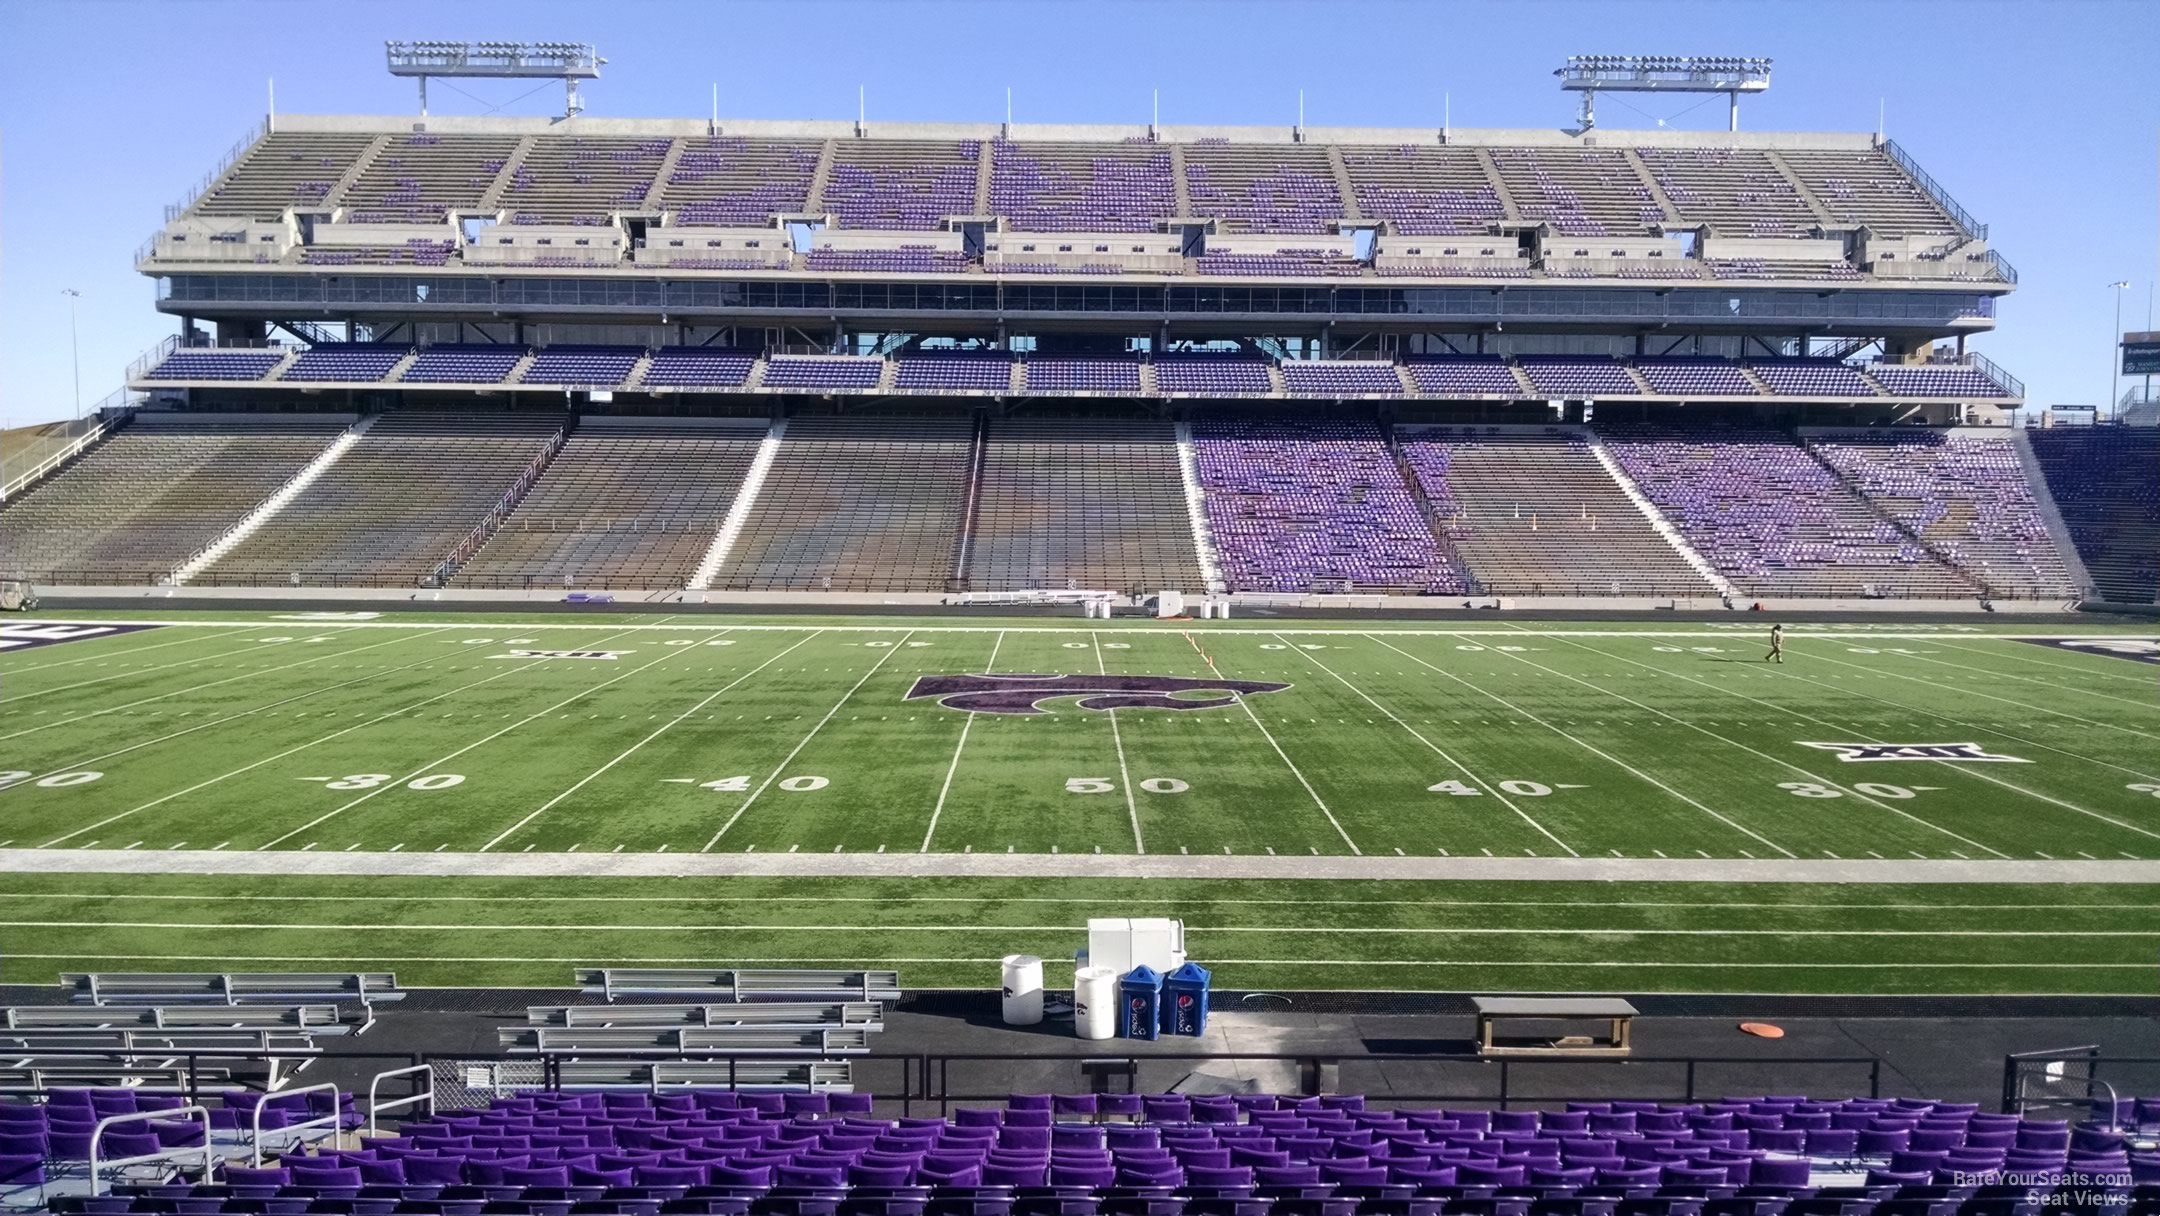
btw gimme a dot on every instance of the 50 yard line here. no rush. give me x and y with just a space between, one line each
1132 808
989 668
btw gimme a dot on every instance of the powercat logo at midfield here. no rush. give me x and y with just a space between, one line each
1863 752
1017 694
26 637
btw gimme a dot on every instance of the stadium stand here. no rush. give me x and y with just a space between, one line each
902 185
1531 512
699 367
1093 504
145 499
620 1151
421 178
733 182
858 504
215 364
586 366
366 362
2103 483
1424 191
1262 189
582 179
1065 187
1964 495
1314 506
629 503
392 510
1773 519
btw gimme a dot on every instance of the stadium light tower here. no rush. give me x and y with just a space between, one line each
568 62
1731 75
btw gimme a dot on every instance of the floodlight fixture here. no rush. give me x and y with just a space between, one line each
1731 75
568 62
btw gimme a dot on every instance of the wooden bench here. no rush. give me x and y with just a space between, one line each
1540 1040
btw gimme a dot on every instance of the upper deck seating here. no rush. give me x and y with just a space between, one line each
902 185
1054 187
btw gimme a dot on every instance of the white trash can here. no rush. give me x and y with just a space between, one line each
1023 990
1095 1002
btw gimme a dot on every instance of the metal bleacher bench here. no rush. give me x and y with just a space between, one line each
230 988
32 1074
685 1040
827 1076
868 1015
313 1019
741 985
1544 1013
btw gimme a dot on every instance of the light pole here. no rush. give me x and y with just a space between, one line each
2115 350
75 349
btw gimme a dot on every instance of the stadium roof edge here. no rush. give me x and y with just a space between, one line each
1068 132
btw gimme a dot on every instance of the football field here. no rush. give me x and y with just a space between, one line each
1348 805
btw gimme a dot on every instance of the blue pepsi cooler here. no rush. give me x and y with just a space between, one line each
1184 1009
1140 1003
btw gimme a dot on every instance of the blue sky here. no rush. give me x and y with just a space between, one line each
2038 117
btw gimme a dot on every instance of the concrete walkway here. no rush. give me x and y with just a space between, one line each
280 863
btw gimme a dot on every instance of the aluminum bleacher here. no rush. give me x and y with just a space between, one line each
741 984
1081 503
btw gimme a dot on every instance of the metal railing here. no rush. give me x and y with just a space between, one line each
232 156
493 520
255 1127
209 1153
377 1106
1934 190
2068 1079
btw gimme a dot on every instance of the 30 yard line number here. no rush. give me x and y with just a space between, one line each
57 781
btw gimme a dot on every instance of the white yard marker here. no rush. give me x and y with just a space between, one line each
1877 803
19 698
677 720
790 757
989 668
1279 752
431 765
1593 750
1132 808
1450 761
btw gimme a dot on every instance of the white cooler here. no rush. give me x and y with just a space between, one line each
1095 1002
1023 990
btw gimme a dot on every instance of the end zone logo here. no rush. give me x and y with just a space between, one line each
2137 650
1864 752
605 655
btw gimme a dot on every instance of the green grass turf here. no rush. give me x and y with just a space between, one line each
1659 739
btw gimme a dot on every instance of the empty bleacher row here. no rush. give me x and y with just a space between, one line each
886 503
157 491
1175 374
1078 185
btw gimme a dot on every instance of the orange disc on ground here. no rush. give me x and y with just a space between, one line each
1762 1030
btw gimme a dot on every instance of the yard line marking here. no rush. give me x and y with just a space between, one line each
861 960
1781 763
2019 655
246 768
108 655
1962 771
423 769
1117 737
2128 730
2004 675
1262 727
1451 761
221 722
245 675
1992 697
1592 749
1198 930
208 658
988 669
632 749
1719 905
790 757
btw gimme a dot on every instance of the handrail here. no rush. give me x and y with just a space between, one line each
376 1106
232 156
163 1154
255 1122
68 452
497 515
1958 215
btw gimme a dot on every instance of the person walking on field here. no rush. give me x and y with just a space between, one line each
1777 645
